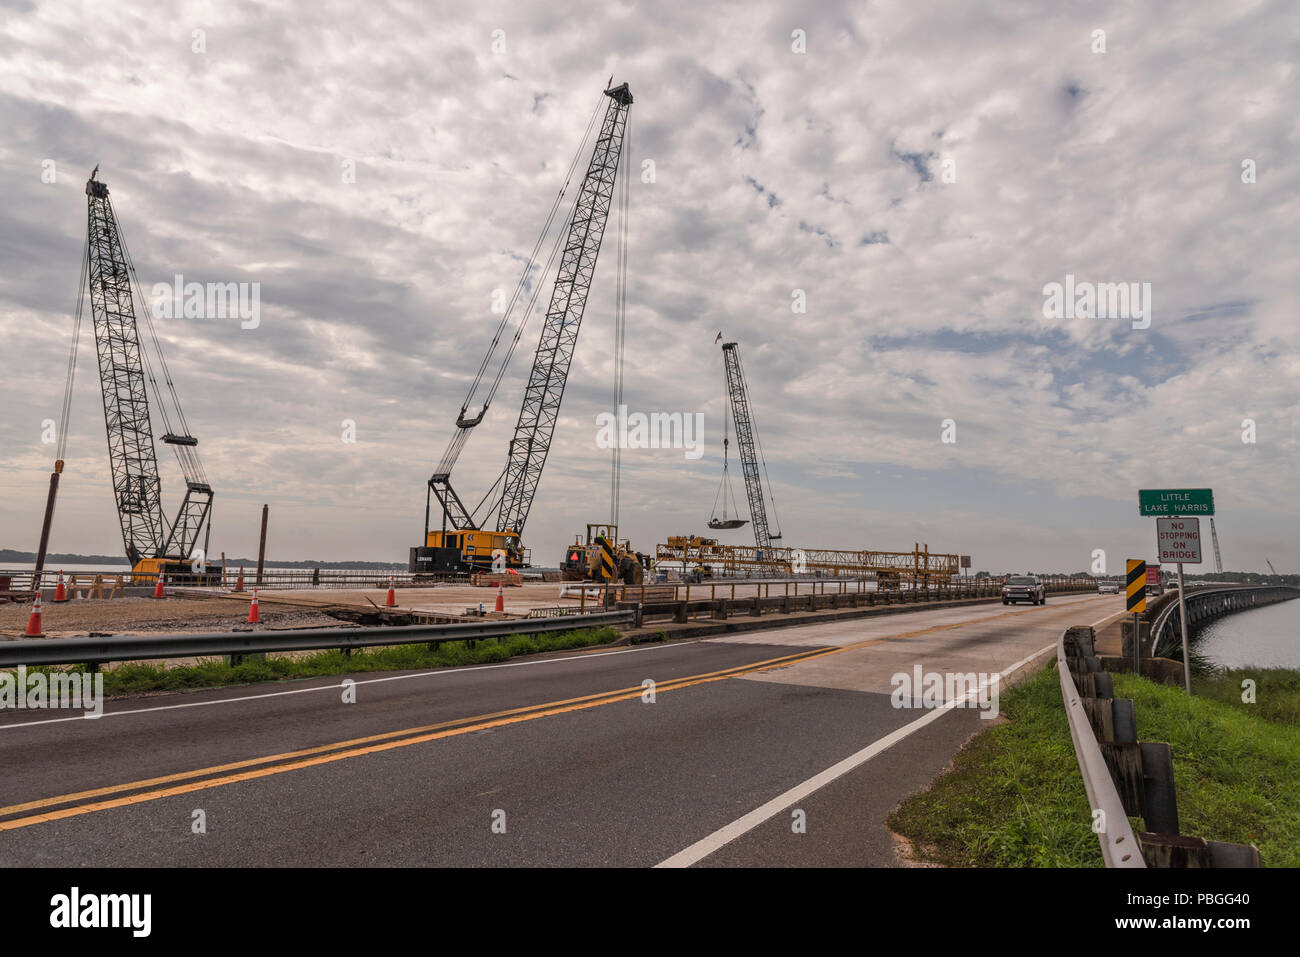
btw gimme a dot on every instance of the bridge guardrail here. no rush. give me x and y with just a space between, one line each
1119 846
1125 777
1202 596
98 651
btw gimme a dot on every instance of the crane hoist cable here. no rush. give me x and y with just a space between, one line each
767 484
620 322
65 413
725 488
186 455
464 425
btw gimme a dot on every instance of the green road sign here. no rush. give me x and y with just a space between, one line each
1176 501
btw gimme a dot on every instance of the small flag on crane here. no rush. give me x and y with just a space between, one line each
717 340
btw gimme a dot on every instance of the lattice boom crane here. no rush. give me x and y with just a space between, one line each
750 450
124 369
465 542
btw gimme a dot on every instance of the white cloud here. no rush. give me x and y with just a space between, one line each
772 169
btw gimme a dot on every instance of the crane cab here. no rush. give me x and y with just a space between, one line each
147 571
467 550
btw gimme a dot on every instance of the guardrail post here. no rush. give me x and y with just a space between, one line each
1160 803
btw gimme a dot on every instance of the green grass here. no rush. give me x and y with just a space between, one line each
1014 797
209 673
1236 765
1277 692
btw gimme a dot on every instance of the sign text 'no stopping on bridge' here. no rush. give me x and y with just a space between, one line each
1179 540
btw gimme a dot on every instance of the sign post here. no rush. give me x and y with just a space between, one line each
1135 596
1178 535
1179 540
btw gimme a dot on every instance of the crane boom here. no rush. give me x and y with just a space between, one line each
123 374
550 372
746 441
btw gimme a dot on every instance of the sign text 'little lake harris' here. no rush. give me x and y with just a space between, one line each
1176 501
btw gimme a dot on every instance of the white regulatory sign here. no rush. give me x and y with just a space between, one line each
1179 540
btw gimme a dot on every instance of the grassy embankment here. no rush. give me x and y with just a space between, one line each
1014 797
138 678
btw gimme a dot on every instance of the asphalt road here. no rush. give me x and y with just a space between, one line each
560 760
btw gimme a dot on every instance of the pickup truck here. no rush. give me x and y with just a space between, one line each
1024 588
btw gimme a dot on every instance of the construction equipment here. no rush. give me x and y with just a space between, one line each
1214 537
471 540
730 518
751 456
919 566
1270 566
602 557
154 546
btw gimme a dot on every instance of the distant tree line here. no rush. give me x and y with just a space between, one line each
13 556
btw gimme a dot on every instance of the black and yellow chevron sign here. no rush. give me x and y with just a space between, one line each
608 562
1136 590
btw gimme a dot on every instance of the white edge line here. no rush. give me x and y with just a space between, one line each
364 681
725 835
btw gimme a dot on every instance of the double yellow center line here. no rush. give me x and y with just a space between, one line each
186 782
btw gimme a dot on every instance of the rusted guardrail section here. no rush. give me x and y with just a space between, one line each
1126 778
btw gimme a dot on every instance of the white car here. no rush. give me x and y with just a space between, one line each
1108 588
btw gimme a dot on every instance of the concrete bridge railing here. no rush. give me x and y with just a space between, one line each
1204 604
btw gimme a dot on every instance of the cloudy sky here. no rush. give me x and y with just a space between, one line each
920 171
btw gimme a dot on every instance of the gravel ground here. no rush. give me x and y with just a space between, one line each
142 615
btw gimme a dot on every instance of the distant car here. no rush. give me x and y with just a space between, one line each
1024 588
1108 588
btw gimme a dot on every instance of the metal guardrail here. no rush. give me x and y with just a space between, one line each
97 651
25 579
1119 845
1126 777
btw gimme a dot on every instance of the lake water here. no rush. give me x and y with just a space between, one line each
1267 637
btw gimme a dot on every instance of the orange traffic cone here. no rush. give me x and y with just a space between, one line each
253 616
158 588
60 593
391 600
34 622
239 582
501 599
